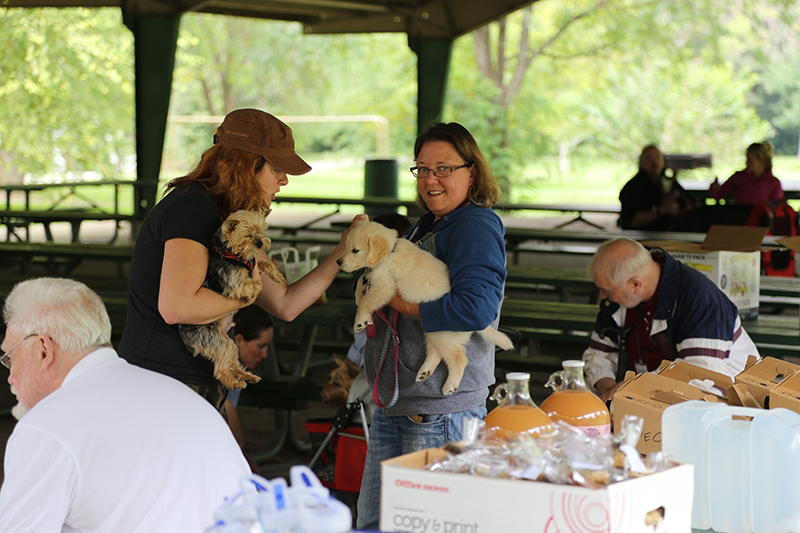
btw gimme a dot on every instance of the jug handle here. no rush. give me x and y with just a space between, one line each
500 393
556 379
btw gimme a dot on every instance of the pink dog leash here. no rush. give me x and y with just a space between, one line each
389 338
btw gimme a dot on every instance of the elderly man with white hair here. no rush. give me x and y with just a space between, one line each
667 311
102 445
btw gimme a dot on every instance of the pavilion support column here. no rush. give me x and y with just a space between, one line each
433 65
155 41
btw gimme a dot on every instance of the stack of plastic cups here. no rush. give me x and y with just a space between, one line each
263 506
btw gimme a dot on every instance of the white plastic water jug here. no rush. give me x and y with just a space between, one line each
747 464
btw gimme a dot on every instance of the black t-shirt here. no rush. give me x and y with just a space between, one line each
187 212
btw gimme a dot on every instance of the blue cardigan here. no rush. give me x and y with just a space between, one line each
470 241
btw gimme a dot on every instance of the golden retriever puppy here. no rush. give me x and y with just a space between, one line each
397 265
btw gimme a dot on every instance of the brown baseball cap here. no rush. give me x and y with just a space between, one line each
257 132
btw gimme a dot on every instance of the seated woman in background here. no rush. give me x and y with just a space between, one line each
253 333
755 184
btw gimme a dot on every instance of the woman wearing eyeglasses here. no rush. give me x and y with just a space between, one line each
457 189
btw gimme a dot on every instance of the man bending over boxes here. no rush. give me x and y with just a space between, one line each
664 311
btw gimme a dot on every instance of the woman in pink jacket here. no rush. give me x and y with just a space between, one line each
755 184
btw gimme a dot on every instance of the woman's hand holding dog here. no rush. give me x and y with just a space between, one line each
356 220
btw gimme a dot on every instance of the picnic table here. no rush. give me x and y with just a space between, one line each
580 209
21 217
521 239
774 335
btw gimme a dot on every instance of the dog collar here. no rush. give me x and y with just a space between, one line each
228 255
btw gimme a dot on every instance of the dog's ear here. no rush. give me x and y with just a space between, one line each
229 225
379 248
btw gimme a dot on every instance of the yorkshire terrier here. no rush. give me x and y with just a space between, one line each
336 391
230 273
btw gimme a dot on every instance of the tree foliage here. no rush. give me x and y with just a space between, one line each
597 78
224 63
66 80
605 77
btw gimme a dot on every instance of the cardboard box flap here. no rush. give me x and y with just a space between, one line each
418 460
767 371
734 238
792 243
670 397
739 395
787 394
763 375
673 397
683 371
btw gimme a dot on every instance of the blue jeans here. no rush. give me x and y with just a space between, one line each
392 436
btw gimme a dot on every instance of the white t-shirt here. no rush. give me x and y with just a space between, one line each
118 449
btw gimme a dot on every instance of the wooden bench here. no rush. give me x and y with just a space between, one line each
774 335
63 259
75 217
566 281
527 239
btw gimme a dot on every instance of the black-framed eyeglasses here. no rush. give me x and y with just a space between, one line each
440 172
5 359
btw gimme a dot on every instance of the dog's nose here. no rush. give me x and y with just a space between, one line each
339 262
259 243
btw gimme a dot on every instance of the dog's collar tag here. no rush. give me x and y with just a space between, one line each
230 256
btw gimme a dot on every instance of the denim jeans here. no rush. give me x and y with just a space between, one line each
392 436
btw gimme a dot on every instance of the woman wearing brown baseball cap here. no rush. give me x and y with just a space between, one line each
252 155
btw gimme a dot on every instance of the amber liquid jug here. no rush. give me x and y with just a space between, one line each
573 402
516 413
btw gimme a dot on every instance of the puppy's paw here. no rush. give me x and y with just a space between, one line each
423 374
449 387
363 319
271 270
228 379
236 378
448 390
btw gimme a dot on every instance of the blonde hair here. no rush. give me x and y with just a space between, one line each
763 152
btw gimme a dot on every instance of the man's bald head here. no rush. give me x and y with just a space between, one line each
625 272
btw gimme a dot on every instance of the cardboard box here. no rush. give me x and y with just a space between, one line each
786 394
730 257
647 396
420 501
763 375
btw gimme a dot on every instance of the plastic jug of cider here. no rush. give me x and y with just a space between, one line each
516 413
573 402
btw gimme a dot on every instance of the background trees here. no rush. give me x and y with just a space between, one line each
66 83
564 79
